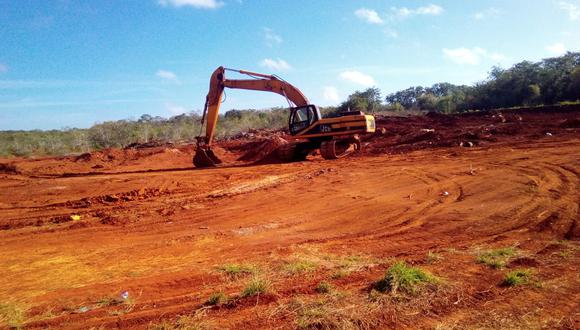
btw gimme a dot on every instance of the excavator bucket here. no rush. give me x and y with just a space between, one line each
205 158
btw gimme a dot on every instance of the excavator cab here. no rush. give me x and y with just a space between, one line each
302 118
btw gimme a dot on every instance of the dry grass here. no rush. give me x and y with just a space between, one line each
12 314
330 313
184 322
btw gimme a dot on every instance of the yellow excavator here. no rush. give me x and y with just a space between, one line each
335 137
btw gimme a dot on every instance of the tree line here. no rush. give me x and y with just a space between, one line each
550 81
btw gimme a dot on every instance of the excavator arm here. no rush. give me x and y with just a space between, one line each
260 82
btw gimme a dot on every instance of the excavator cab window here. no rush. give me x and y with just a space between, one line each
302 117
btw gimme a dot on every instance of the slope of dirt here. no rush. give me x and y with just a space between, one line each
143 241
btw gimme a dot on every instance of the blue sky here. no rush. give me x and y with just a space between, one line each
71 63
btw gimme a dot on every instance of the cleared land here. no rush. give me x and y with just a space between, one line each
494 224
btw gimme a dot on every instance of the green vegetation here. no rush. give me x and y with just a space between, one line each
497 258
217 298
12 315
238 270
550 81
517 277
256 286
400 277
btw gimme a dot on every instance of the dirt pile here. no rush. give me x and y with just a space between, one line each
403 134
262 150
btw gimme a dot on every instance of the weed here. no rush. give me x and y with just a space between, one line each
517 277
12 315
237 270
402 277
324 287
300 266
497 258
256 286
217 298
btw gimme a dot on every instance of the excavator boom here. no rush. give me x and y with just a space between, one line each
260 82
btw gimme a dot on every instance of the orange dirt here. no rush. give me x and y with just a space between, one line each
155 227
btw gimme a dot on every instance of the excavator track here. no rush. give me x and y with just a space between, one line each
339 148
293 152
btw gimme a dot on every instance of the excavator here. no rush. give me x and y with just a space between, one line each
334 137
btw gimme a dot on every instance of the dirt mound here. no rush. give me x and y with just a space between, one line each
261 150
435 130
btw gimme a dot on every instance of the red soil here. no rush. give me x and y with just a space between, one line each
152 225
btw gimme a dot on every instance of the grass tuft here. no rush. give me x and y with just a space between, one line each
217 298
324 287
497 258
517 277
300 266
234 271
400 277
256 286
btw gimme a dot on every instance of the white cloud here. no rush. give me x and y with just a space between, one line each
572 9
358 78
487 14
471 56
175 109
168 76
3 68
271 37
557 48
405 12
277 65
330 93
206 4
368 15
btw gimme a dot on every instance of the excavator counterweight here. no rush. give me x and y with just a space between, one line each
335 137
